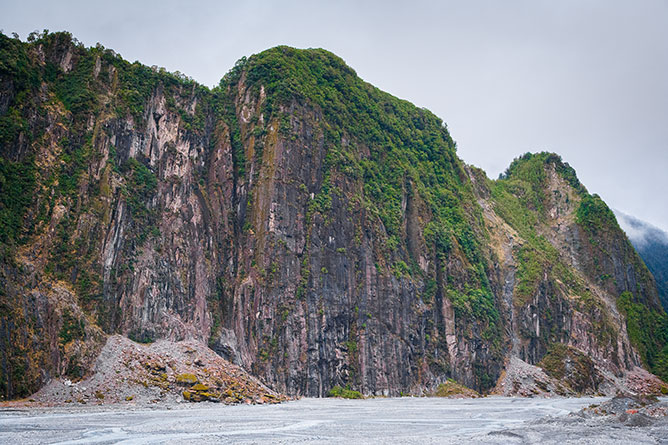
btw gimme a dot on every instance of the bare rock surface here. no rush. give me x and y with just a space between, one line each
525 380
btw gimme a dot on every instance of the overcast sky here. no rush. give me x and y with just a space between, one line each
585 79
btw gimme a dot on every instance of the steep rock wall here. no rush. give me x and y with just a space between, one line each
309 227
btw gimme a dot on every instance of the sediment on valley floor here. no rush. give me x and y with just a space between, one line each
621 420
164 372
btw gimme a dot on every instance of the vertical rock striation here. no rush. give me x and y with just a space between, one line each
309 227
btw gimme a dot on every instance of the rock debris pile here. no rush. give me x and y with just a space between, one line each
164 371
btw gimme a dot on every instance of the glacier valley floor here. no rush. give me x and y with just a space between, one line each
380 420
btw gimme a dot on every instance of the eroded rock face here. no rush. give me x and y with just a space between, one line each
260 221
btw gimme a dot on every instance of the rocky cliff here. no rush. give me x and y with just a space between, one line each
307 226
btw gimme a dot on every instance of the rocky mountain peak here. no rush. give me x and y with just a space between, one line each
303 224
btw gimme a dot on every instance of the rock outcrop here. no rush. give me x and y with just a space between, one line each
161 372
307 226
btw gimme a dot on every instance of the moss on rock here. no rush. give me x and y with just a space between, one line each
199 387
345 393
187 379
452 389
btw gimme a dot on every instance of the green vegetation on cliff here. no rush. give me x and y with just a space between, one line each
407 145
397 152
595 216
648 332
344 393
56 102
521 196
292 201
17 181
410 149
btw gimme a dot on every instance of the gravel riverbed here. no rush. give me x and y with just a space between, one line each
383 420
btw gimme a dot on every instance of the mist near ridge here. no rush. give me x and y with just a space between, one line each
652 244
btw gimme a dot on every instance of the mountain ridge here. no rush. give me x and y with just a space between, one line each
304 224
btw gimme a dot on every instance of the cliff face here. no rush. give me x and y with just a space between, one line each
576 280
309 227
